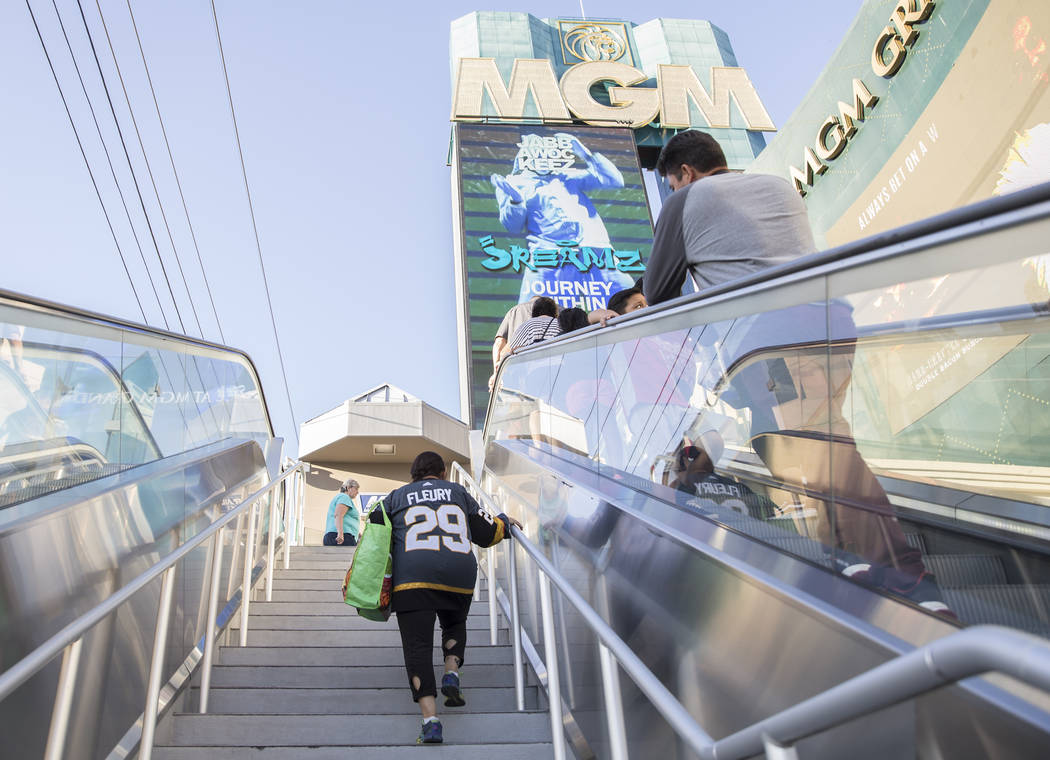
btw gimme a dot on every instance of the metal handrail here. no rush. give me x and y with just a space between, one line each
69 638
970 652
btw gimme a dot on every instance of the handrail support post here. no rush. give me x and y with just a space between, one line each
160 643
67 682
209 629
776 751
550 652
249 563
271 543
613 704
287 519
515 628
490 575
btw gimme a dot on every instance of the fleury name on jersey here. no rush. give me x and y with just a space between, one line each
429 494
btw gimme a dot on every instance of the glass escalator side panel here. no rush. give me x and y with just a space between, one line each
887 421
81 398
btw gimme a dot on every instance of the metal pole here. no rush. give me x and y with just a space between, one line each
301 507
287 521
550 653
775 751
515 627
563 632
246 584
67 681
160 642
209 630
477 581
490 575
613 704
610 674
230 579
271 543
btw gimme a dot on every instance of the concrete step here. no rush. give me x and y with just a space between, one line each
335 564
447 751
338 676
332 580
290 701
379 636
351 655
341 622
306 573
477 609
305 731
324 594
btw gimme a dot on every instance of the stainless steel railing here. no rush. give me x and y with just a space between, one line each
971 652
69 640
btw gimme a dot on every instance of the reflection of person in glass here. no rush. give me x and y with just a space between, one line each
697 477
545 197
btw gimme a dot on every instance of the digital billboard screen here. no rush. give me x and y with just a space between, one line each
545 211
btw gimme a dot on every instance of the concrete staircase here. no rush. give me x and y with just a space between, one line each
318 681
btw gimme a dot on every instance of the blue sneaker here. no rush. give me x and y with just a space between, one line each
430 733
450 688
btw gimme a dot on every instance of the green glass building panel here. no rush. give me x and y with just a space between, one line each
902 100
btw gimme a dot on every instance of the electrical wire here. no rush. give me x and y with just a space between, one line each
87 164
251 210
171 159
145 158
131 166
138 190
112 170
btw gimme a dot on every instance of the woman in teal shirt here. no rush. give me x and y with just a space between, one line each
341 525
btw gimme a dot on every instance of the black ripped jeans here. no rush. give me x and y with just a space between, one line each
417 642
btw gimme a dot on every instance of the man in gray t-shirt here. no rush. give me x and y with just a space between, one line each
719 225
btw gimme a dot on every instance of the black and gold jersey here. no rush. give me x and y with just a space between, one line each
434 524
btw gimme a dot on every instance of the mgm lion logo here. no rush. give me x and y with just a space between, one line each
594 42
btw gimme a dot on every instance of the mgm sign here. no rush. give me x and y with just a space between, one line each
629 105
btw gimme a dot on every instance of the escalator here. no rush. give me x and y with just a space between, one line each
769 488
118 444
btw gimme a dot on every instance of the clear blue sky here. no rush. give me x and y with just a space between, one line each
343 110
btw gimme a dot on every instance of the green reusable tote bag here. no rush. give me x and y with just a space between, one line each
371 563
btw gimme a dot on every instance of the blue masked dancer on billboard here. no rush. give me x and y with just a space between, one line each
545 197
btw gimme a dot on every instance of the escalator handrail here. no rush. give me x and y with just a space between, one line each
22 301
971 652
29 665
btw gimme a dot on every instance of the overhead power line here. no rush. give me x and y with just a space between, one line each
131 166
91 174
255 227
145 158
171 159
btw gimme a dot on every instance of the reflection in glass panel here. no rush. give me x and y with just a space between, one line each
80 400
895 437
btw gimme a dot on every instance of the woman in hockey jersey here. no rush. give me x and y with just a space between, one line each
434 522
